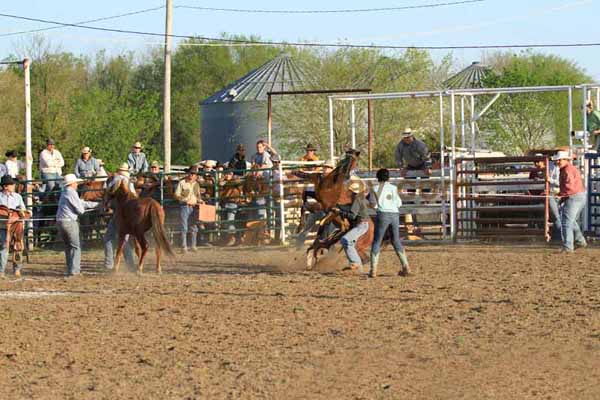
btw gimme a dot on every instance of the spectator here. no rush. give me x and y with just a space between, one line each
3 170
310 154
13 165
188 195
137 160
70 208
110 236
573 199
593 123
51 163
358 215
238 162
412 154
86 165
385 198
262 157
151 185
12 201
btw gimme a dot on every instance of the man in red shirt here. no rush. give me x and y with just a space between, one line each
572 198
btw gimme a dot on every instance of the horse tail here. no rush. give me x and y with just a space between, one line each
158 230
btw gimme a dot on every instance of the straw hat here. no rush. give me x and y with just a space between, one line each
86 150
210 163
70 179
328 164
407 132
137 145
562 155
155 164
124 167
356 187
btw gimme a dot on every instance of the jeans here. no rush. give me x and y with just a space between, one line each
555 216
185 212
231 211
4 252
70 235
571 210
349 242
110 237
50 182
383 221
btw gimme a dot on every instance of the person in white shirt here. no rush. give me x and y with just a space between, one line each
385 198
51 163
13 165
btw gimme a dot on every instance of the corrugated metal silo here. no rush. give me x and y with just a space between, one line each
469 78
238 113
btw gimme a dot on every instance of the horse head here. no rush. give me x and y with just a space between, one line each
346 165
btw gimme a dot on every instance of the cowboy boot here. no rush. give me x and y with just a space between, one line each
406 270
374 262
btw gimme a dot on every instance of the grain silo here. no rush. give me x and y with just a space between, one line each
238 113
471 77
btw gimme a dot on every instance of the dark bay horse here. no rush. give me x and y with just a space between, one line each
135 217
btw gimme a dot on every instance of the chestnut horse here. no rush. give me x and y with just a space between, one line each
134 216
15 230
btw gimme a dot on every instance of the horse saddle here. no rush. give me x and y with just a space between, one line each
15 227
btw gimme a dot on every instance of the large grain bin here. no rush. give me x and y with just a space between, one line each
471 77
238 113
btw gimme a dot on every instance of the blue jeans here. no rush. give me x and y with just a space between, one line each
571 210
383 221
349 242
110 237
185 212
231 211
555 215
4 252
50 181
70 235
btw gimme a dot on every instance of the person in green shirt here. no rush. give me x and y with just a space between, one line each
593 123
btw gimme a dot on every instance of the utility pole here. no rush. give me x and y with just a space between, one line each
167 89
28 147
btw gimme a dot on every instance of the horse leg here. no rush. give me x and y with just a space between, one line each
158 268
120 248
143 243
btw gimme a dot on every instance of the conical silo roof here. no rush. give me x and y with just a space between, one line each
469 78
279 74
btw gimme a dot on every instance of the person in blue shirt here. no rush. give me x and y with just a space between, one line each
86 165
70 208
385 198
12 201
137 160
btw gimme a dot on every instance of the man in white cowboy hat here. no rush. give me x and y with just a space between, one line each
12 201
70 208
86 165
412 154
358 215
51 163
572 199
137 160
110 236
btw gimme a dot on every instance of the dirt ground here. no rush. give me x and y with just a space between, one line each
473 322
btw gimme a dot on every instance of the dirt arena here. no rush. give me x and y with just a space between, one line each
474 322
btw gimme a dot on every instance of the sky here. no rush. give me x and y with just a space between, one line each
482 23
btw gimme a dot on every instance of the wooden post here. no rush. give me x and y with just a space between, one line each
167 88
370 128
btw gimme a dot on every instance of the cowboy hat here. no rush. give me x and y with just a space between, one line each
49 141
70 179
137 145
7 180
356 187
562 155
407 132
11 153
86 150
210 163
155 164
310 147
328 164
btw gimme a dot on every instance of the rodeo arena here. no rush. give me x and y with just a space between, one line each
320 274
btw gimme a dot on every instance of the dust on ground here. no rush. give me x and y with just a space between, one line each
474 322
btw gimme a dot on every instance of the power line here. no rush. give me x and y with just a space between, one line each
342 11
307 44
85 22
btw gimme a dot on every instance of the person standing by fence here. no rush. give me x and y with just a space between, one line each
70 208
572 198
86 165
13 165
51 163
238 162
137 160
12 201
385 198
188 194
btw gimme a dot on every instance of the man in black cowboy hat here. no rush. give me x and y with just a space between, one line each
12 201
311 154
238 162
